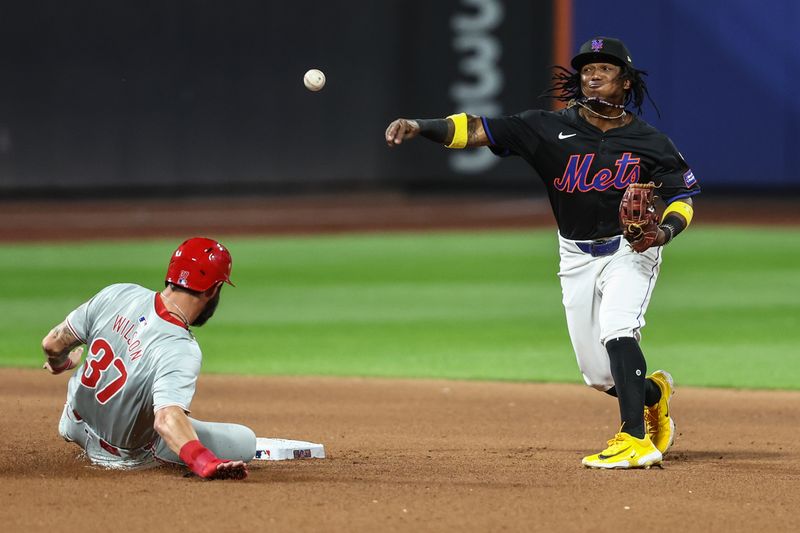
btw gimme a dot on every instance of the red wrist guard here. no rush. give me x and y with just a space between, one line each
199 459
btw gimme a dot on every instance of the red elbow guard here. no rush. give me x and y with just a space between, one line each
199 459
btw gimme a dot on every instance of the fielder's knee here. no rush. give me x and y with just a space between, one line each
601 383
630 333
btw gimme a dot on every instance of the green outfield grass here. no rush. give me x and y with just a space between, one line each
481 305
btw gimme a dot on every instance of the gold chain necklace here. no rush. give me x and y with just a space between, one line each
595 113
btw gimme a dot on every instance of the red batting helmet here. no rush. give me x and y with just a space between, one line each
199 264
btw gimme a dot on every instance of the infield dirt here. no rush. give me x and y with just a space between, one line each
416 456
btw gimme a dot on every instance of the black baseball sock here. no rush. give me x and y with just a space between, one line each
628 368
652 394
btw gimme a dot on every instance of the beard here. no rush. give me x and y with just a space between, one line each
207 312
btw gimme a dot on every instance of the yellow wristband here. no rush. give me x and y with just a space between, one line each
682 208
460 133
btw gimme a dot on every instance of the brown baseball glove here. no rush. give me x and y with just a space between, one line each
637 214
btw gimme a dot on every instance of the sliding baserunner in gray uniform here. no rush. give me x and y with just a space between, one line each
127 404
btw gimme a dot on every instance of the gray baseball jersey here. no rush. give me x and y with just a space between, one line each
139 359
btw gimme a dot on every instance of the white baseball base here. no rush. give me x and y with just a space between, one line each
268 449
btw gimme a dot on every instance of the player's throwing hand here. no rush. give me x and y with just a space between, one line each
401 129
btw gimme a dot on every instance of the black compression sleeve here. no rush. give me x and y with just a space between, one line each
628 368
435 129
672 225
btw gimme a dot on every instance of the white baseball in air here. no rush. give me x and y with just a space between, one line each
314 80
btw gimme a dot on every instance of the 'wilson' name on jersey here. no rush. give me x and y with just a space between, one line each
128 331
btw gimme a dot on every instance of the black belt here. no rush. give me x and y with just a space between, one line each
601 247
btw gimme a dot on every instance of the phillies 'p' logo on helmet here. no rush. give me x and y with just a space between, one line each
199 264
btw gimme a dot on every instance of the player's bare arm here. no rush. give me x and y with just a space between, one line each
176 429
62 348
456 131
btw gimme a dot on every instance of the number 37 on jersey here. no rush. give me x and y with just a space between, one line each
100 361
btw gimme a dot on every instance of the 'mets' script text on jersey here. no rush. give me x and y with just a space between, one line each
575 177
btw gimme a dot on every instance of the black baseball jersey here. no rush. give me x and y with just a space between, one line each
586 170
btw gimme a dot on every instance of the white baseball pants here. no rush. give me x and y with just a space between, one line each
605 297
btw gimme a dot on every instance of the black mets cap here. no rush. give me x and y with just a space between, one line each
602 49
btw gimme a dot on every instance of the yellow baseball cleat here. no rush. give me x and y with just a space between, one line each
625 451
659 425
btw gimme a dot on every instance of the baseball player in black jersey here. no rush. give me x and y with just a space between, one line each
587 155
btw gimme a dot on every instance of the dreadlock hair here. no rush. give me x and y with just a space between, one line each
567 87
